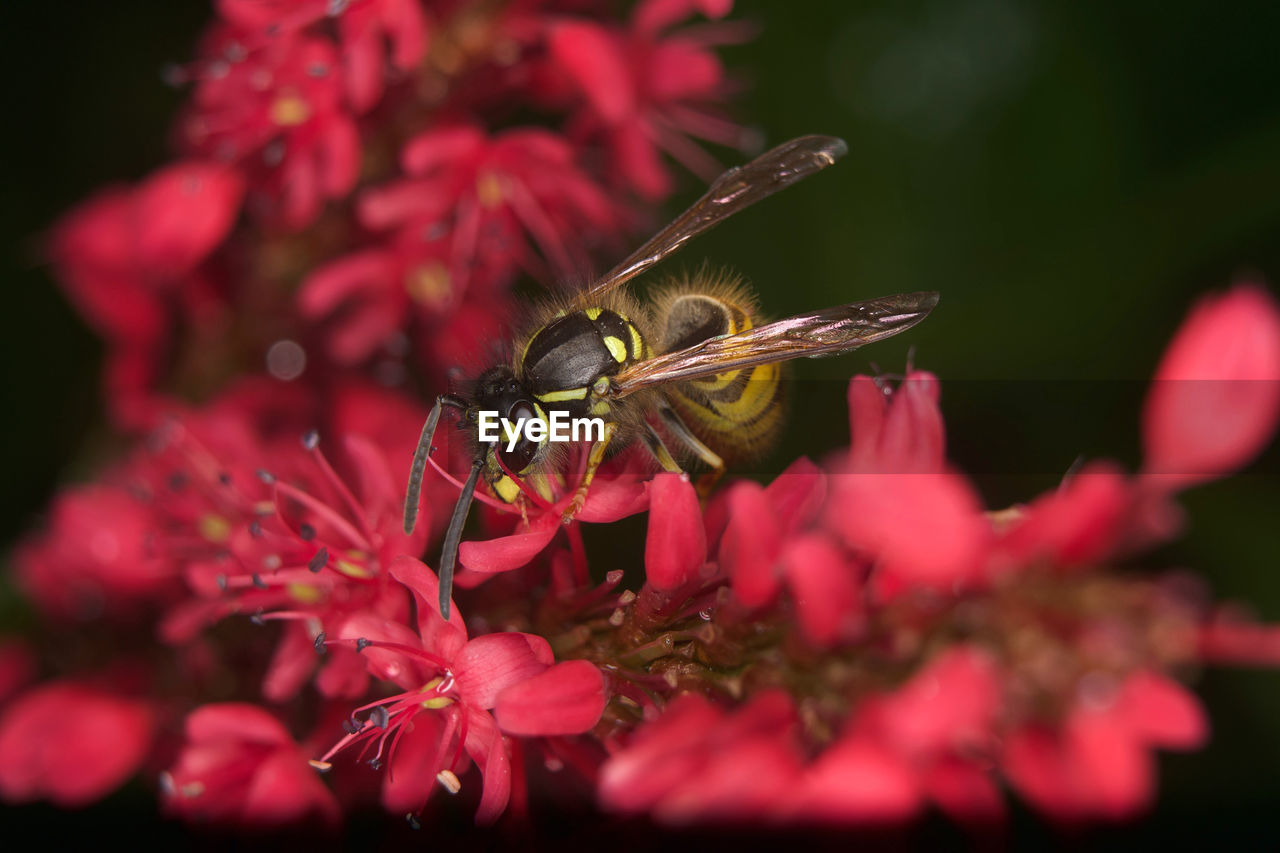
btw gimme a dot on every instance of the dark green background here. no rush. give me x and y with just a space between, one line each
1070 176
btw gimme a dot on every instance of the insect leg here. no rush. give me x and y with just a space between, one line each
593 462
453 536
658 448
671 418
419 467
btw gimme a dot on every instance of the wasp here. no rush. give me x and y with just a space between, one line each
697 371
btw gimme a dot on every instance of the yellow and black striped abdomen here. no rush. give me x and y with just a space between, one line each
739 413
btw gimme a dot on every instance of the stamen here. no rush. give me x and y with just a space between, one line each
361 644
306 532
320 644
318 560
379 716
413 821
257 619
266 476
311 439
322 766
327 512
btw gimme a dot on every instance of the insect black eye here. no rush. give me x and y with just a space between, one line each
519 457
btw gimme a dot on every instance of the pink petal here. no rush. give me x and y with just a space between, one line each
441 147
484 745
493 662
1162 712
924 528
676 544
797 494
291 665
964 792
825 587
951 704
284 789
615 498
566 699
407 670
1215 400
749 548
237 721
592 57
71 743
183 212
652 16
1078 524
858 781
1118 770
510 552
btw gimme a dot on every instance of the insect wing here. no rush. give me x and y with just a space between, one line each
830 331
735 190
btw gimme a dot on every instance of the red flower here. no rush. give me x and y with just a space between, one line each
126 257
96 556
1098 764
1215 400
71 743
239 766
645 89
362 27
275 107
491 195
697 762
451 684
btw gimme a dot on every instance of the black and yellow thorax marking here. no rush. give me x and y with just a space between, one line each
739 412
565 359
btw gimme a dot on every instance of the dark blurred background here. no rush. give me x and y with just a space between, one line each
1070 176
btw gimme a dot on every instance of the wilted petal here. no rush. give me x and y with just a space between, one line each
566 699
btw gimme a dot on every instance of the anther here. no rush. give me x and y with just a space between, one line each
266 476
224 478
379 716
311 439
361 645
258 581
322 766
320 647
306 531
318 561
255 528
350 726
449 781
222 582
257 619
413 821
375 763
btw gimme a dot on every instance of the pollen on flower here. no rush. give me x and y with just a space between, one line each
449 781
289 110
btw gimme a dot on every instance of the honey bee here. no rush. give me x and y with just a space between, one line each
697 371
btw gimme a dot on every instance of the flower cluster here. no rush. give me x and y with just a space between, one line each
232 610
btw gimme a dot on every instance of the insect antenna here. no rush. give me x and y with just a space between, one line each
419 467
453 536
